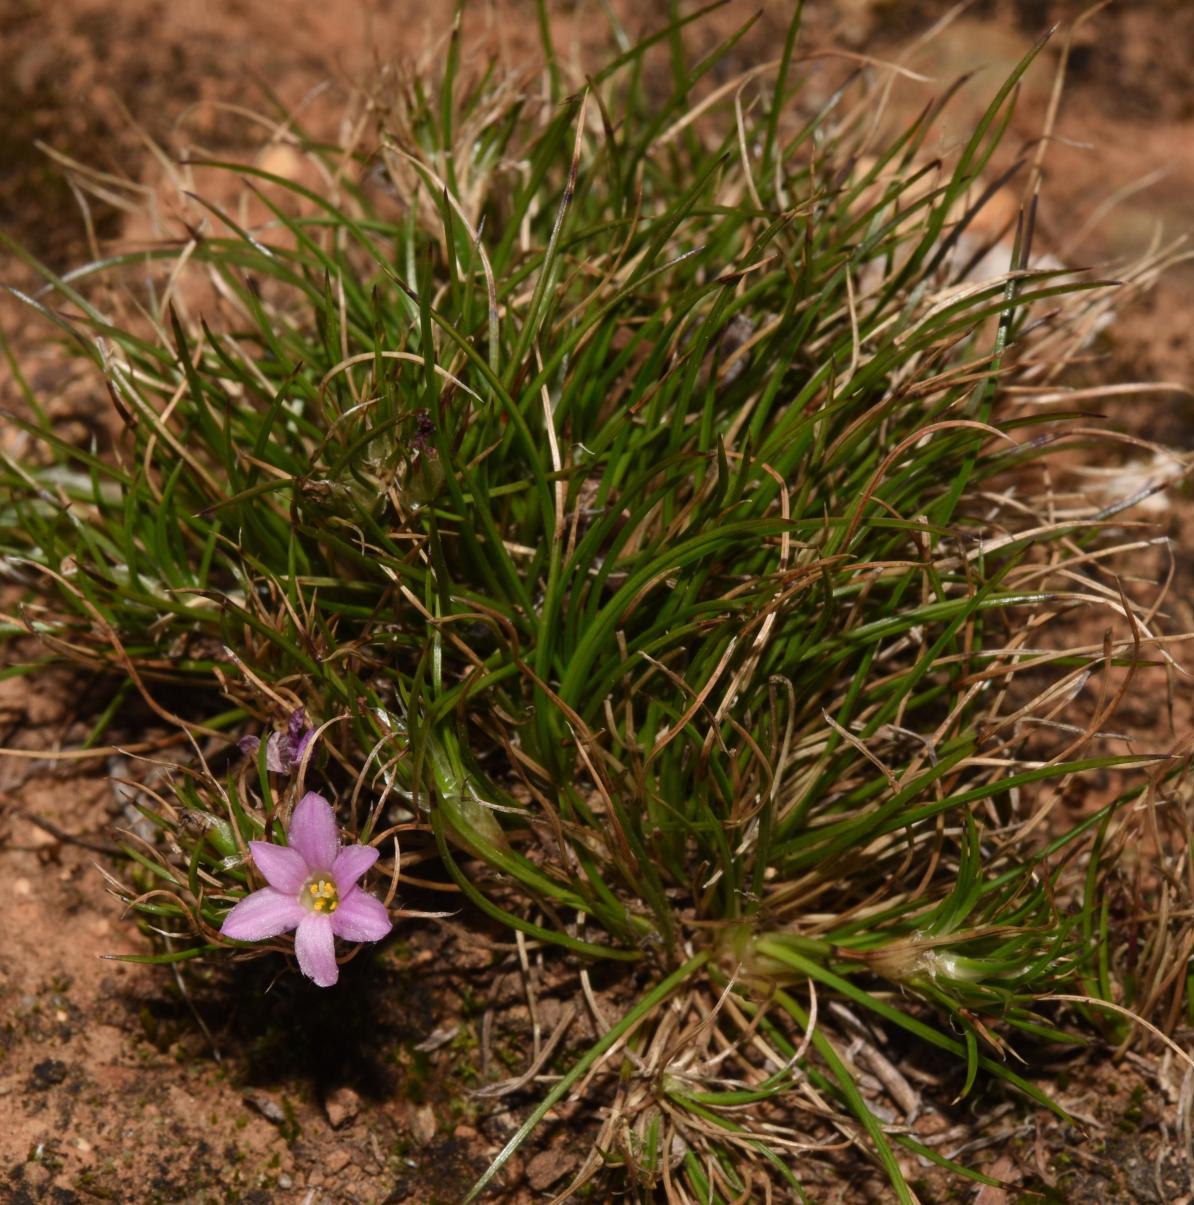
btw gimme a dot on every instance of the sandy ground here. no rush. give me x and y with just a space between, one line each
136 1084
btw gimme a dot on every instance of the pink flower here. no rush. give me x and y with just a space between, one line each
312 889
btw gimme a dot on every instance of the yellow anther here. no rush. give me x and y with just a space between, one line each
320 894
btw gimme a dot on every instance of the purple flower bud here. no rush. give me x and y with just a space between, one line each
284 750
424 431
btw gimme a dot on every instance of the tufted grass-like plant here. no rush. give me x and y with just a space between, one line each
661 513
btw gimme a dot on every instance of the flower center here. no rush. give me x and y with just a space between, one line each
319 894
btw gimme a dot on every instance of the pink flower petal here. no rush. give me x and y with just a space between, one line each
265 913
315 946
282 867
352 862
313 832
360 917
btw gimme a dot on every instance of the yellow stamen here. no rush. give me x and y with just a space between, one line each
320 895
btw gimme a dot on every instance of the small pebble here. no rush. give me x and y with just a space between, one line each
547 1167
423 1125
341 1106
36 1176
268 1109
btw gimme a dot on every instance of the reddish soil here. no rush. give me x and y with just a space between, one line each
241 1083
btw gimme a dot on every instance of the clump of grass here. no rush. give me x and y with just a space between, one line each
653 508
